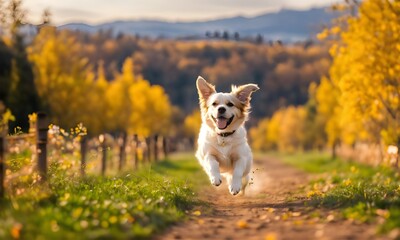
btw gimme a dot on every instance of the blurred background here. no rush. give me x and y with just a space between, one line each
130 68
94 93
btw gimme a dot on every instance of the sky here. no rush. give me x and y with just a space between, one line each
99 11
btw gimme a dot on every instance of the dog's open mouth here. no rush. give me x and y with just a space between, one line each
223 122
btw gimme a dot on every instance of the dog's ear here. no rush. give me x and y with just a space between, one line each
204 88
243 93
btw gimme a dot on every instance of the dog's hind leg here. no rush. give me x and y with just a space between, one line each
228 177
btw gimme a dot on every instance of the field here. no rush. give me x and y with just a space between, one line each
361 193
128 205
98 129
308 190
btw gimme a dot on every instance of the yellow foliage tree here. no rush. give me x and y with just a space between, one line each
258 136
292 129
151 109
273 129
315 136
118 96
366 71
60 75
285 131
328 108
97 116
192 124
136 106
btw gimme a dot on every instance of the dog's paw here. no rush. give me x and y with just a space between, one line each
235 187
216 181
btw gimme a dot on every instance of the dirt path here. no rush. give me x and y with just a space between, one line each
270 210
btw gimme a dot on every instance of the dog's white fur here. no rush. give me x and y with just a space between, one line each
229 156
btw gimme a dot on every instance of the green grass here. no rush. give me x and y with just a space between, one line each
192 174
19 160
362 193
132 205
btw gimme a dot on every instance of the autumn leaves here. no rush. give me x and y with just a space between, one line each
359 100
72 92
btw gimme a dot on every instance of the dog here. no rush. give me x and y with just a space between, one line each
222 143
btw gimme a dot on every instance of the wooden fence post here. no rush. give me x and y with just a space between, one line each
147 154
165 146
83 155
102 139
135 150
2 164
41 147
122 148
155 146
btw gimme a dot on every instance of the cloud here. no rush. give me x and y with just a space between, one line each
73 12
95 11
305 4
65 15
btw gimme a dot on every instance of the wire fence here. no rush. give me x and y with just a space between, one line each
44 140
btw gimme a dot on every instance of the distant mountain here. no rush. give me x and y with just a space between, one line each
285 25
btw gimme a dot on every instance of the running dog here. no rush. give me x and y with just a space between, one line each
222 143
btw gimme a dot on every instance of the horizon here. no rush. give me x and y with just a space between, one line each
187 21
101 11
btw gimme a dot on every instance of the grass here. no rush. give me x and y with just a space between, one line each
183 167
361 193
131 205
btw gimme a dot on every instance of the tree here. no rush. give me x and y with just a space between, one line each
192 124
225 35
138 107
152 110
258 136
259 39
292 129
61 75
315 136
118 96
97 116
236 36
6 57
366 70
46 17
285 130
22 97
329 111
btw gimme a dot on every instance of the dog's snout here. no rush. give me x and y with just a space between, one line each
221 110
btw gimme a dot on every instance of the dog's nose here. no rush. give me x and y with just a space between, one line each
221 110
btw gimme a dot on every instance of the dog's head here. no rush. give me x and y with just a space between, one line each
224 112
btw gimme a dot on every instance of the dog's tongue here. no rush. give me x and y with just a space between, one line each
221 123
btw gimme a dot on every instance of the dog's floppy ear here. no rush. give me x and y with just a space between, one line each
204 88
243 92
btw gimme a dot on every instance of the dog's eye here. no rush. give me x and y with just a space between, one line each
215 104
229 104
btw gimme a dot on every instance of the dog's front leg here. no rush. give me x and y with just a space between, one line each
236 183
211 166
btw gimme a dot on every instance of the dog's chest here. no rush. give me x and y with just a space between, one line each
225 149
222 141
